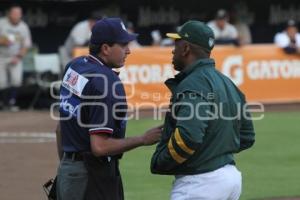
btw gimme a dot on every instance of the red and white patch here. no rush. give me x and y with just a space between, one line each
74 82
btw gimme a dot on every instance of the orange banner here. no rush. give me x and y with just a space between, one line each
263 72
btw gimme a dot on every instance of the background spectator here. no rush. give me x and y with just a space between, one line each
239 20
159 40
289 39
79 36
130 29
156 37
15 39
225 33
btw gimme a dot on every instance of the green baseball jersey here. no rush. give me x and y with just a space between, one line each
207 122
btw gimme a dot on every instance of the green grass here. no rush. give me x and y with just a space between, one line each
271 168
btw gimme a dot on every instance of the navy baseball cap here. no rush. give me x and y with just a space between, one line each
111 30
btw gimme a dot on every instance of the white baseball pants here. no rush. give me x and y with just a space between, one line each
10 75
222 184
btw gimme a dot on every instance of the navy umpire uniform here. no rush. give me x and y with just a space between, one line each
92 125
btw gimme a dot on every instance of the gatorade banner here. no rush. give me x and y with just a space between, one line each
263 72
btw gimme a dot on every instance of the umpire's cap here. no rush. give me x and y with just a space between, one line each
195 32
110 30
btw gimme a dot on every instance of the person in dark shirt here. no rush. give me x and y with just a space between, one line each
206 125
93 118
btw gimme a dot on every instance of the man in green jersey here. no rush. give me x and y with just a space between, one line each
207 123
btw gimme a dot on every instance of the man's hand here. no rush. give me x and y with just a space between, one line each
152 136
104 145
15 60
5 41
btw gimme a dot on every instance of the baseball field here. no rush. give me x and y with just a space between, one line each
28 158
270 168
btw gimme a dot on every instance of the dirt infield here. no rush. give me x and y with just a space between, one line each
28 152
26 121
23 169
26 161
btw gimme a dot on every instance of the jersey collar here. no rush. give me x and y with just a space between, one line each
95 59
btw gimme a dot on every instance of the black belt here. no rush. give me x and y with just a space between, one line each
74 156
78 156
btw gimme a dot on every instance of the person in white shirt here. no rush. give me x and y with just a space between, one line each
289 39
134 43
79 36
225 33
15 39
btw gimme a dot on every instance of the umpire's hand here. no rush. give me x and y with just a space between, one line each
152 136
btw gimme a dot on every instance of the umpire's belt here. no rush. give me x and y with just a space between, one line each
74 156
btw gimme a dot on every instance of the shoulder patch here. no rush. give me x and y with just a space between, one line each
74 82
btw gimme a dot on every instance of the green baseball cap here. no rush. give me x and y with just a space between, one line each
195 32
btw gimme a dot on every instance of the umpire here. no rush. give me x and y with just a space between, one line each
93 110
206 125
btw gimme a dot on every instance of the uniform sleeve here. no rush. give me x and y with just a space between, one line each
1 30
234 32
80 34
27 37
190 113
280 40
100 115
1 27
